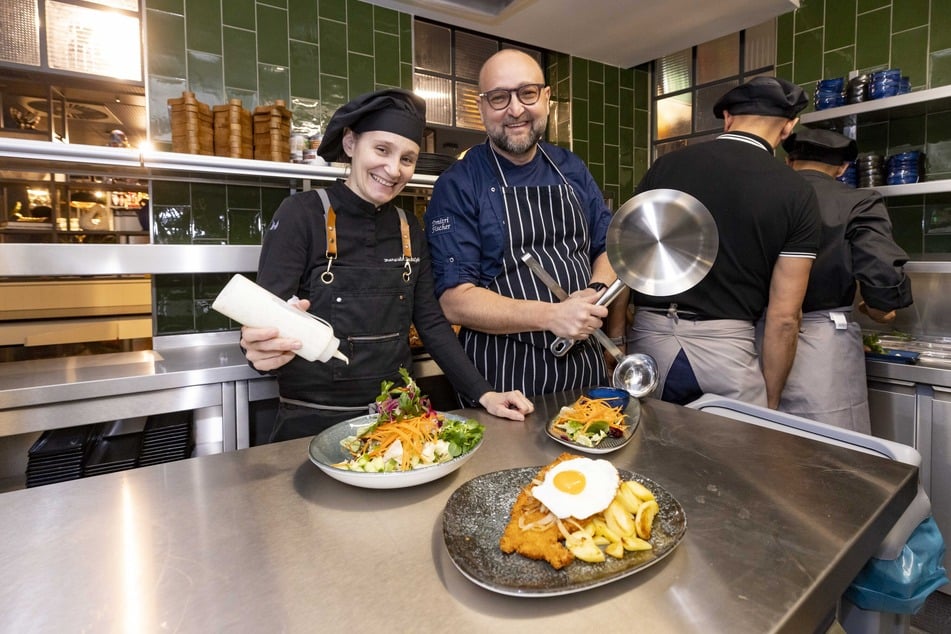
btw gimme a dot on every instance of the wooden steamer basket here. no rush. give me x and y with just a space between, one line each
191 125
272 132
233 133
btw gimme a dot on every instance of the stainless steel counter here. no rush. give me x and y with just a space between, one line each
261 540
915 373
54 393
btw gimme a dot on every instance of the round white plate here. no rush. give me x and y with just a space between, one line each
325 451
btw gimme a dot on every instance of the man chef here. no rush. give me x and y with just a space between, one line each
856 250
703 339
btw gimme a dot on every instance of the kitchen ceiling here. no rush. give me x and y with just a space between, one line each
622 33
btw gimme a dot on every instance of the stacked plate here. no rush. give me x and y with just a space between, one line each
850 177
113 453
857 89
167 437
58 455
870 168
885 83
903 168
829 93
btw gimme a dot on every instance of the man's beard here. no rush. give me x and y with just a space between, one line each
519 147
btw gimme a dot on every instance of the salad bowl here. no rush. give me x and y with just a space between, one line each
325 452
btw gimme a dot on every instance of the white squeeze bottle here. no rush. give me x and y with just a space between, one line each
250 305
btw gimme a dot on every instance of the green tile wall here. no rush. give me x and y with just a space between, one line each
830 38
315 55
600 113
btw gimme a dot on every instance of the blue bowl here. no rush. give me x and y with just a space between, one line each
614 397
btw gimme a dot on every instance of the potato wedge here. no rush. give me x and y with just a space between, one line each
644 520
638 489
615 549
619 520
636 543
628 498
583 547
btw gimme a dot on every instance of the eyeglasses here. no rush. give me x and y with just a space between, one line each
501 98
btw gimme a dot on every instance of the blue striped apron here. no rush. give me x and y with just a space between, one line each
547 221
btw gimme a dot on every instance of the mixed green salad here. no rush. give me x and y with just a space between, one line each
408 433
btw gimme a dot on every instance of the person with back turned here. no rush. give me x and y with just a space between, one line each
856 251
767 218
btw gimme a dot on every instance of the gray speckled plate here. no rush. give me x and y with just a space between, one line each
607 445
478 511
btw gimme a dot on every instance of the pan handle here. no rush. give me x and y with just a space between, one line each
560 346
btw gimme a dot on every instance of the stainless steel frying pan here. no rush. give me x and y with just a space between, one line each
662 242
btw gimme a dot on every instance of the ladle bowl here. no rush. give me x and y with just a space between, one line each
636 374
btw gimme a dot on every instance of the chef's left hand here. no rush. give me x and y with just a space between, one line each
878 315
512 405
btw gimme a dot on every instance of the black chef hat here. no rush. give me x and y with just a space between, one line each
392 110
764 96
824 146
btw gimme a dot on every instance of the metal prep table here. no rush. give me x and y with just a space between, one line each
208 372
260 540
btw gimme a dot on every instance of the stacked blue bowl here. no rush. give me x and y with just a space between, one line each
829 93
904 85
903 168
885 83
851 176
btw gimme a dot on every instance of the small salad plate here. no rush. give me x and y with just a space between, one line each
325 452
632 415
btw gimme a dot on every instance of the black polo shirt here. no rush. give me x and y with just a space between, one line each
762 208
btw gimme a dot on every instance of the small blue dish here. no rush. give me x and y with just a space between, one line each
894 356
614 397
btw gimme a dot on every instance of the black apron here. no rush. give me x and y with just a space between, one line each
547 221
370 309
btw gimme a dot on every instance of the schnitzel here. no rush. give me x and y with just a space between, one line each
532 530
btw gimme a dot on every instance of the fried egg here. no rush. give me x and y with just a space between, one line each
578 488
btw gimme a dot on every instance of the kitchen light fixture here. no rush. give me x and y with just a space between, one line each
484 7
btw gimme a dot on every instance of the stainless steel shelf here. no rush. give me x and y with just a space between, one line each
25 154
30 260
911 104
925 187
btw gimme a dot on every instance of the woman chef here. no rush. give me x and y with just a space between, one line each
362 264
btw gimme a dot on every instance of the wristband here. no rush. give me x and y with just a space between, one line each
597 286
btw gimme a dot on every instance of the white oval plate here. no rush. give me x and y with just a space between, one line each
325 451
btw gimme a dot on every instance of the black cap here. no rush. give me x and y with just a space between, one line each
392 110
824 146
763 96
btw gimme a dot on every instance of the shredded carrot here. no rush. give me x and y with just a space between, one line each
413 433
588 411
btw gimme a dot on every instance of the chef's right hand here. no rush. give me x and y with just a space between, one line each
577 316
265 349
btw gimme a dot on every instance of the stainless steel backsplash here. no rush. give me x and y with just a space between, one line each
930 315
